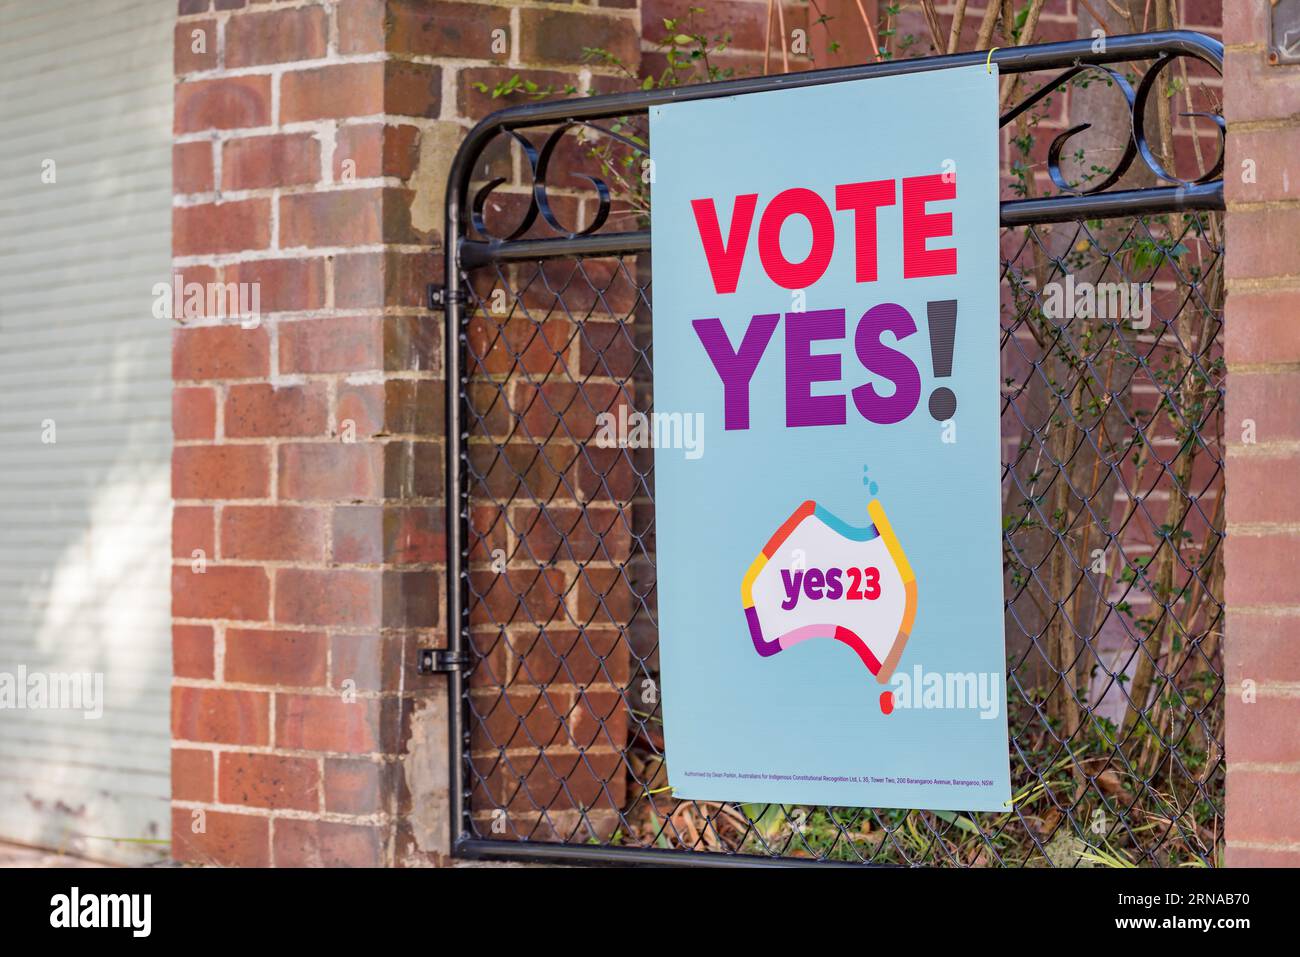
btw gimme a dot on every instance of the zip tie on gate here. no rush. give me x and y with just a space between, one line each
988 63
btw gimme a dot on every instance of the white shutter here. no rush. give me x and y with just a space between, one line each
85 521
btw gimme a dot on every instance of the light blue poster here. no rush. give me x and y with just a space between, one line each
826 425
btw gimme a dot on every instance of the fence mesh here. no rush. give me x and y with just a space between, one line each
1112 527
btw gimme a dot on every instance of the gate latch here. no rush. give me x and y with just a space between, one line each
435 661
439 297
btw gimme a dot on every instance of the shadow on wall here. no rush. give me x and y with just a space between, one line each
85 386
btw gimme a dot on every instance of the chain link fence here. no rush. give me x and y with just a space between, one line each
1112 405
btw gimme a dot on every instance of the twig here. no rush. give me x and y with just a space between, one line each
871 33
785 57
985 36
767 41
932 21
958 21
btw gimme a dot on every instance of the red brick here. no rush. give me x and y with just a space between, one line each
560 36
362 26
355 786
1262 328
746 32
1254 481
521 344
1271 153
221 471
1260 247
194 282
261 410
525 720
192 777
598 720
374 280
194 413
276 37
228 840
336 597
1270 399
1244 21
193 529
269 780
369 534
332 471
365 662
412 89
358 534
1261 647
1252 563
222 591
1263 807
415 535
415 407
228 103
414 469
260 162
1260 857
347 217
518 594
272 533
221 716
192 168
221 227
360 408
376 150
301 843
192 651
332 92
1263 731
411 599
283 285
192 34
328 723
416 27
349 344
286 658
1252 91
220 352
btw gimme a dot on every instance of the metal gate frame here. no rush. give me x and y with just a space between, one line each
463 252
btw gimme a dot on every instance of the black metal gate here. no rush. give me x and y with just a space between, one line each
1112 474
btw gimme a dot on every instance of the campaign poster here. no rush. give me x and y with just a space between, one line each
826 430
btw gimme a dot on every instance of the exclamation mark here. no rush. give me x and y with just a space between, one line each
942 314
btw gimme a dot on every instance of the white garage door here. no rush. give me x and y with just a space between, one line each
85 211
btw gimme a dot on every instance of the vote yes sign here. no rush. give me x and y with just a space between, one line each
829 579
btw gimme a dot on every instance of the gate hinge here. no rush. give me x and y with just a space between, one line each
439 296
435 661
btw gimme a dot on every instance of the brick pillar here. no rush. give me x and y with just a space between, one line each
307 470
1262 588
312 144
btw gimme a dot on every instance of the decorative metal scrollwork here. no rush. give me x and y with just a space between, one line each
540 166
539 203
1136 144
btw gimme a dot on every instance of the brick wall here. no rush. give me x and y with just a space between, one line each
1262 105
312 147
313 139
